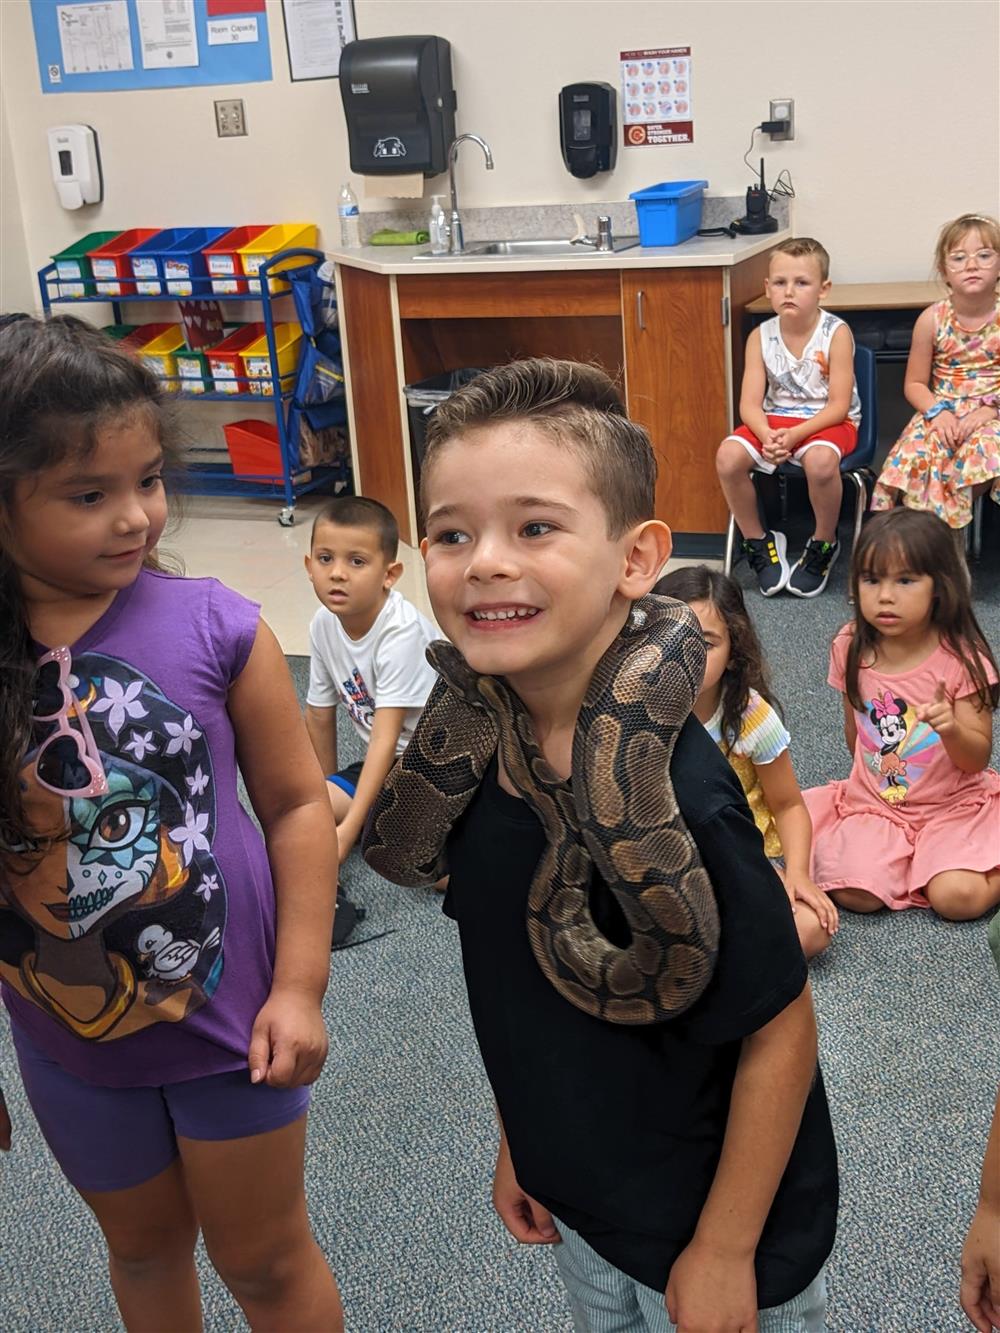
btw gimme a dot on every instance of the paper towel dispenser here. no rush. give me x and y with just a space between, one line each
400 104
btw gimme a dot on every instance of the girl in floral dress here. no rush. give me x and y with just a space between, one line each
950 451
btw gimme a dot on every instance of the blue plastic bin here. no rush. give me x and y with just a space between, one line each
174 256
670 212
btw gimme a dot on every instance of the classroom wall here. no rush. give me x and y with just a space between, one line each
881 157
16 286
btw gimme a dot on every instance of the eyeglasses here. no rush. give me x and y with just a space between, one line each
67 762
981 258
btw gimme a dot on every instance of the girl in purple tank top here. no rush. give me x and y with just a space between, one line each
163 964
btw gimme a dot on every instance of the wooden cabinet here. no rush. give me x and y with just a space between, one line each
669 336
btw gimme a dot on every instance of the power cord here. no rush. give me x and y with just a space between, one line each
782 187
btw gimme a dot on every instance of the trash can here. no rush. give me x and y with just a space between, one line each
421 400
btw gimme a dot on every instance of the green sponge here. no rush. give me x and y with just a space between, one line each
388 237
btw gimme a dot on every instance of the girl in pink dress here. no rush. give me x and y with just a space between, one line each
917 823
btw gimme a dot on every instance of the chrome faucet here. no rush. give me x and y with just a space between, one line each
456 239
605 241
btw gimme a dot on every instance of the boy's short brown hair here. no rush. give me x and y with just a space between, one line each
800 247
575 405
357 511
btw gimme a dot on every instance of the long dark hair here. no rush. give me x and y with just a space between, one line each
61 382
909 539
746 669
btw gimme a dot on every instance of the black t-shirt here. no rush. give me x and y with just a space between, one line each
617 1130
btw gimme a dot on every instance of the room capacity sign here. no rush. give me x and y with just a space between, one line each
656 96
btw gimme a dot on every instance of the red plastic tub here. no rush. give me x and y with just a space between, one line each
111 262
225 264
254 448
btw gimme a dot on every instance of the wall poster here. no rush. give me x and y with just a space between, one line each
656 96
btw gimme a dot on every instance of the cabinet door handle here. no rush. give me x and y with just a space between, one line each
640 309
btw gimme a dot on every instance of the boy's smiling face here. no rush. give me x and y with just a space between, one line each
522 574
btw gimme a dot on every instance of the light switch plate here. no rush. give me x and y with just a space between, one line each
230 118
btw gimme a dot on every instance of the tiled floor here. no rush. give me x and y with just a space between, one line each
241 542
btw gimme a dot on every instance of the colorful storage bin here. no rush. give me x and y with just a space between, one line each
160 355
284 236
257 360
110 263
73 264
172 258
224 359
222 259
193 369
254 448
669 213
143 334
119 333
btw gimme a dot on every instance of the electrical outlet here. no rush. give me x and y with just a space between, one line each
230 119
783 108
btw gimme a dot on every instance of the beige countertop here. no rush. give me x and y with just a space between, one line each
699 252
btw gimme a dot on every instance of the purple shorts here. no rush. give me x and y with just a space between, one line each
116 1138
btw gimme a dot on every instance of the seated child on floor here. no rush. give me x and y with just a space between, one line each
950 449
367 646
736 707
917 823
798 404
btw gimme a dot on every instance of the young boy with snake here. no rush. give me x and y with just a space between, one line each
638 991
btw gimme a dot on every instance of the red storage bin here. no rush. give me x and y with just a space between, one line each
225 361
225 264
254 448
111 261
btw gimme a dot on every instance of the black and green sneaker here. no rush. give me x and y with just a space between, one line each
810 575
766 555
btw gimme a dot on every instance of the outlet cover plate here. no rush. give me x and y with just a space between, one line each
230 119
783 108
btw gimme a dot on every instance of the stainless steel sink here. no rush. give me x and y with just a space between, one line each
528 249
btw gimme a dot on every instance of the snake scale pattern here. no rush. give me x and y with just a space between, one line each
617 817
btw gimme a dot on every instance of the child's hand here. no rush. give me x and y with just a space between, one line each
5 1127
939 713
288 1044
800 888
945 425
970 422
525 1218
979 1292
711 1292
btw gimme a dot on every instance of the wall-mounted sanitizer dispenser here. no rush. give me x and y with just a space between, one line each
76 166
400 104
588 133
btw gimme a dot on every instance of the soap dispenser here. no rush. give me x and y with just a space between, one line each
438 227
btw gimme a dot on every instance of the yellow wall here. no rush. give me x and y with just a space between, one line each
897 105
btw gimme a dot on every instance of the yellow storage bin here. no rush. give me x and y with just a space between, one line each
284 236
257 360
160 355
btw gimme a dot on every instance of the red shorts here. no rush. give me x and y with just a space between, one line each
843 438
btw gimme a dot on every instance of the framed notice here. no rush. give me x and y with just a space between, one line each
316 31
656 96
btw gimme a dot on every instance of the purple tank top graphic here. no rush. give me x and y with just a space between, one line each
141 948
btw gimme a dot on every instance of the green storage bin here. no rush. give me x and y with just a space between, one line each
194 371
119 331
73 265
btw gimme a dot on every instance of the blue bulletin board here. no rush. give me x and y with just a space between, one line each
101 46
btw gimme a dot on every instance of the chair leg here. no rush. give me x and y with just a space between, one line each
977 526
727 563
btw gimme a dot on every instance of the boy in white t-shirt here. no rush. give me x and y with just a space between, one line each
367 654
798 404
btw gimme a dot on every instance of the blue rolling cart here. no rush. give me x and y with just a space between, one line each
294 480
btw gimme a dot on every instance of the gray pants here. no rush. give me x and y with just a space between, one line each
603 1299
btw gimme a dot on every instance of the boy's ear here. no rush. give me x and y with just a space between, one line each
647 550
392 573
824 288
423 548
307 562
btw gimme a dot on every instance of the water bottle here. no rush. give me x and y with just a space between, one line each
347 208
438 227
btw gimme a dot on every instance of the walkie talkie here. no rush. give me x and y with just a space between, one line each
758 218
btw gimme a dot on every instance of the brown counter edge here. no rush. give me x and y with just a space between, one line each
373 380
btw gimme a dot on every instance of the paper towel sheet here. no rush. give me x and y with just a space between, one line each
394 187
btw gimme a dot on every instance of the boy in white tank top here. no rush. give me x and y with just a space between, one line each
798 404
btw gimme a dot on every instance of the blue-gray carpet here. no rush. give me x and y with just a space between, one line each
401 1134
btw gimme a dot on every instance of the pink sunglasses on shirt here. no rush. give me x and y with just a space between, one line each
67 763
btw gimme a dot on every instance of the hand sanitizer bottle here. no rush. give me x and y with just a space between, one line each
438 227
347 208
